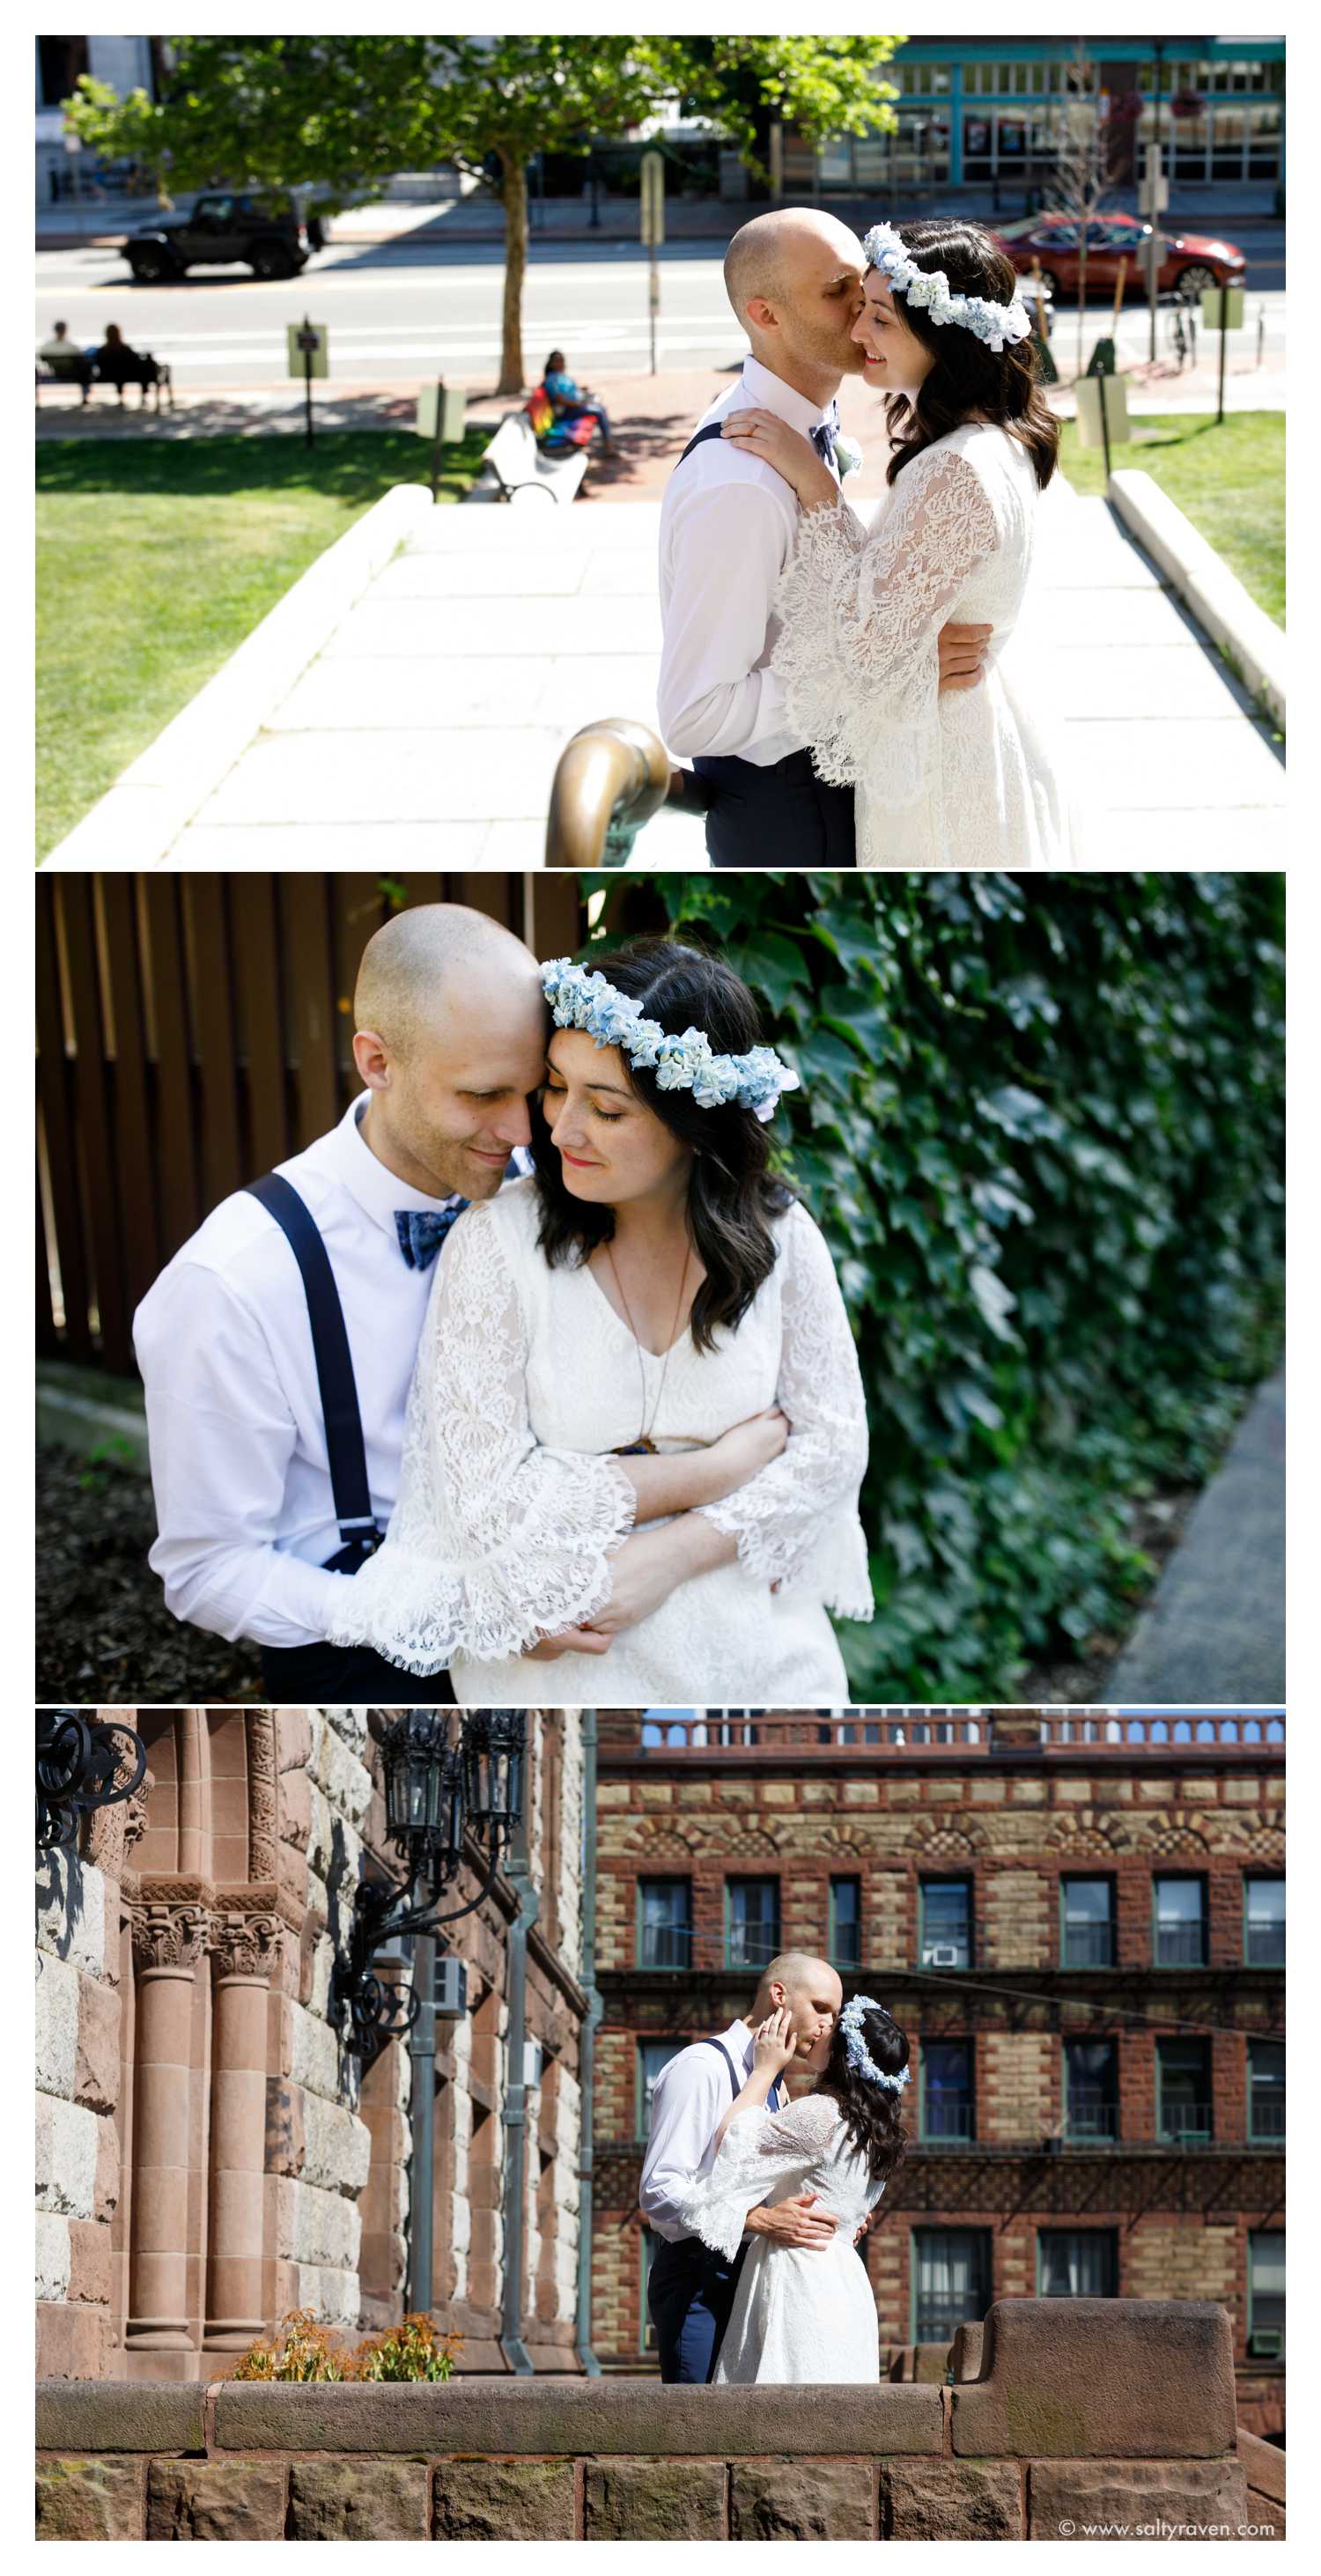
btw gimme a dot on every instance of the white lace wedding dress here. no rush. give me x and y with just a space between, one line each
510 1505
797 2314
968 780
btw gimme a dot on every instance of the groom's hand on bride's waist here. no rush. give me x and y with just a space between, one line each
794 2222
961 651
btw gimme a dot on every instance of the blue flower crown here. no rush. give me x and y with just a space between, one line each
929 288
856 2051
580 1000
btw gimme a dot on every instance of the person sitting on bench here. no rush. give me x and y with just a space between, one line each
573 401
68 363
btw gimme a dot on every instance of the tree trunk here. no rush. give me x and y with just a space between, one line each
515 195
1082 294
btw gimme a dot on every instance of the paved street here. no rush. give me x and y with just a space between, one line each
429 724
410 311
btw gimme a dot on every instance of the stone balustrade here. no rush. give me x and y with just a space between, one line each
1082 2413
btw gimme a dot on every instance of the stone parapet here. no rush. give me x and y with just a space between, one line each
1091 2419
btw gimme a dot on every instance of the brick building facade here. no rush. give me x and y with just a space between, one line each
1078 1920
208 2155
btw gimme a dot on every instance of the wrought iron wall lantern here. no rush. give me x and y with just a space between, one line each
82 1763
437 1789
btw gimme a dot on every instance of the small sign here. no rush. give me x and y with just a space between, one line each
1213 319
1090 392
441 412
309 349
652 200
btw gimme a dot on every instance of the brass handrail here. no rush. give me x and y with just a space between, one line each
609 780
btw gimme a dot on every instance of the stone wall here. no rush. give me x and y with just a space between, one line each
1105 2412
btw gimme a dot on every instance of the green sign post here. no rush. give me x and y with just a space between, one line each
1222 311
441 416
309 355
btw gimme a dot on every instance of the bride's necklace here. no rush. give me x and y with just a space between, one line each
644 1442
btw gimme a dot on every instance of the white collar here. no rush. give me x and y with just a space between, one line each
773 394
377 1190
738 2039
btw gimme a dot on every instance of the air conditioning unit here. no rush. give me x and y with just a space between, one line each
1268 2345
451 1988
534 2059
941 1954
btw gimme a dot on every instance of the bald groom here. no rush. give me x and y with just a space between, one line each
278 1346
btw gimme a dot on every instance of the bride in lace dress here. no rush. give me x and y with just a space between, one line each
636 1432
967 777
800 2314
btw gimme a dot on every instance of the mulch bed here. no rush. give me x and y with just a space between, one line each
104 1635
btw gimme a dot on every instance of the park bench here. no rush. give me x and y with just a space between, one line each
78 369
517 466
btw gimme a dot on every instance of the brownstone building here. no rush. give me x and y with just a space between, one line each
209 2155
1079 1920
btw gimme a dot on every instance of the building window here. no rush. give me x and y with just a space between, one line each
752 1921
1183 2091
1263 1922
945 1922
665 1922
1266 2089
1179 1913
945 2089
951 2280
846 1922
1077 2263
653 2054
1266 2293
1087 1923
1091 2088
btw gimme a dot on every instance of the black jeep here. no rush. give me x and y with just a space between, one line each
265 234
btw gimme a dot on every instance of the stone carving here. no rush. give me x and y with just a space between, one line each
168 1936
244 1945
261 1795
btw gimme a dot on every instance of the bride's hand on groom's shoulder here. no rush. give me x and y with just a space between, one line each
763 434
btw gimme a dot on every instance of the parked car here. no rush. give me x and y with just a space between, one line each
265 234
1191 262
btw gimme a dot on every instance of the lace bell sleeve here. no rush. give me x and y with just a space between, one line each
857 656
759 2149
800 1514
494 1542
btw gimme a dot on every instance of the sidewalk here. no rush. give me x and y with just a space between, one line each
426 726
1214 1632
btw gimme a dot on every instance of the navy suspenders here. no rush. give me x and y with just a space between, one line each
699 439
345 1453
735 2088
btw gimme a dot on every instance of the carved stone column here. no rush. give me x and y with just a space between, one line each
245 1947
168 1941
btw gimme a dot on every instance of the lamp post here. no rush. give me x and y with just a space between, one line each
437 1789
82 1764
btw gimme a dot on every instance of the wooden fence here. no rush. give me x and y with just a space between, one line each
193 1031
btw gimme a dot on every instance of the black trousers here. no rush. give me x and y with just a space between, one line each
783 816
345 1677
690 2293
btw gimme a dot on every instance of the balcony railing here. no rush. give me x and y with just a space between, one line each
948 2123
752 1948
1264 1946
1089 2116
1185 2124
1180 1945
938 2320
665 1945
1088 1945
1266 2120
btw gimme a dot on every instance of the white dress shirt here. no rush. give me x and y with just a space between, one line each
244 1507
689 2100
728 523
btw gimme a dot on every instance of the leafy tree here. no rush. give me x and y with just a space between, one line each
1041 1128
338 115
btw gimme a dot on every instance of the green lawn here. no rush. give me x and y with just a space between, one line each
1228 479
153 562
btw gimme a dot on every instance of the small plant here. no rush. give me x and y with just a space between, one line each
413 2350
304 2349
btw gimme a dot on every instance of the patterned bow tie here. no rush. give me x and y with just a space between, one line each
422 1232
825 435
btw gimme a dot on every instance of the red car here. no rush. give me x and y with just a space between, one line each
1192 261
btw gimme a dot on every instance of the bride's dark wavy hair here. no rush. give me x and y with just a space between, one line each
968 381
732 1194
870 2111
